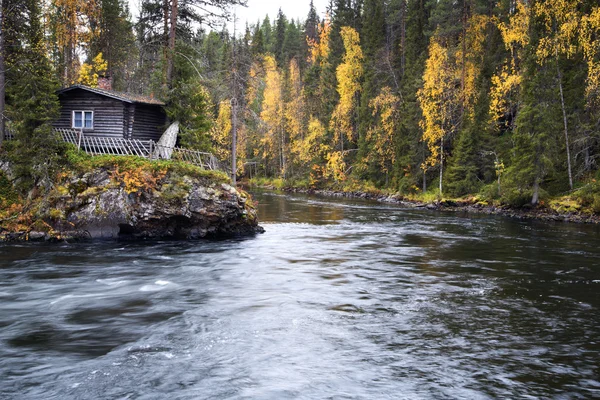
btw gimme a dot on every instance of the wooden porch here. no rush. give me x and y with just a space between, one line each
164 149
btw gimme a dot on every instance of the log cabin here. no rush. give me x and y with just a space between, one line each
105 113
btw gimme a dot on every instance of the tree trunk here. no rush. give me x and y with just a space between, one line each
283 166
536 192
172 34
564 112
2 77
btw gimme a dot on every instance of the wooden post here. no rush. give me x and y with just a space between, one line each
151 155
79 136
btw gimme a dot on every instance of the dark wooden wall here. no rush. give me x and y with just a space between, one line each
149 122
108 113
113 117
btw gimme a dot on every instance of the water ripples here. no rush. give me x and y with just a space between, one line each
339 299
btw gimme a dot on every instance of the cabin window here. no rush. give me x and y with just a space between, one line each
83 119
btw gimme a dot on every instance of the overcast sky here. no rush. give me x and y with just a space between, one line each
257 9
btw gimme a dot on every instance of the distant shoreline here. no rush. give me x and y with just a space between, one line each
539 213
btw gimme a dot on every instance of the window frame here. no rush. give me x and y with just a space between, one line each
83 113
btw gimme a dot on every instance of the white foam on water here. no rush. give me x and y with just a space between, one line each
111 282
151 288
72 296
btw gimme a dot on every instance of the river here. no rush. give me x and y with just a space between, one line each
337 300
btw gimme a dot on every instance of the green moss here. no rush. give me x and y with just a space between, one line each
81 162
56 214
92 191
565 204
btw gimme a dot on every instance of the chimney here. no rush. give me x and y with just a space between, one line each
105 82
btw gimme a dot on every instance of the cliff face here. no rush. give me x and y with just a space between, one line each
135 201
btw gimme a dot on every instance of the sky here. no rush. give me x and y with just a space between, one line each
257 9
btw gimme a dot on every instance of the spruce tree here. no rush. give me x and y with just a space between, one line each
32 103
279 39
373 41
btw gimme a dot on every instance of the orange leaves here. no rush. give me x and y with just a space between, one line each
318 51
138 179
15 218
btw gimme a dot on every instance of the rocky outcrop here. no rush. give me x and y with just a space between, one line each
108 203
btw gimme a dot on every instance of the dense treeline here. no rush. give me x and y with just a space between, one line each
495 97
476 96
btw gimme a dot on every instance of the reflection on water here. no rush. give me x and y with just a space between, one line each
338 299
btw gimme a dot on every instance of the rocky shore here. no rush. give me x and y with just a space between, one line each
119 202
468 207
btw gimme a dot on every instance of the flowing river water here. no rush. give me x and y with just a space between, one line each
337 300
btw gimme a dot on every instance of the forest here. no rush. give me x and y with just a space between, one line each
498 99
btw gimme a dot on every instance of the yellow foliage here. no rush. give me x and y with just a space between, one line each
89 73
437 99
295 109
590 39
312 146
504 91
562 21
319 50
255 82
515 34
272 114
473 59
382 135
221 131
349 74
336 166
506 83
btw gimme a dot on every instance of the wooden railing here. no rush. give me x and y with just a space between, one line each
99 145
103 145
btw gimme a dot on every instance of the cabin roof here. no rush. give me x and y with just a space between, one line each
125 97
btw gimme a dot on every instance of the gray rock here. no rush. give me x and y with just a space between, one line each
99 208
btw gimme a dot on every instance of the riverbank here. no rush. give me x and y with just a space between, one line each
559 210
116 197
